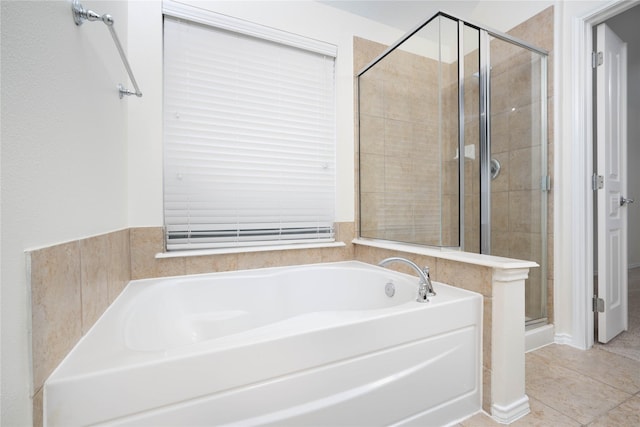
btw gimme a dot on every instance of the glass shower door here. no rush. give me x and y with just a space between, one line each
517 170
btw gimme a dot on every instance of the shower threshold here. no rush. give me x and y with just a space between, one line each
538 334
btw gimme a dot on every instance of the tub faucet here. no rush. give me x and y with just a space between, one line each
425 288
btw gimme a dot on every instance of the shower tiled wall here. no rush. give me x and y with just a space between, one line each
405 119
516 226
73 283
399 157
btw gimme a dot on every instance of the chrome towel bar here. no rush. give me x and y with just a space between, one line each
80 14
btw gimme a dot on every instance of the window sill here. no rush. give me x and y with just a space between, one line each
239 250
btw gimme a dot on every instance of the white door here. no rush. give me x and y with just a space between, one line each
611 76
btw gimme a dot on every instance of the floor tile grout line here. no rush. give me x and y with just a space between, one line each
597 416
558 411
558 362
611 410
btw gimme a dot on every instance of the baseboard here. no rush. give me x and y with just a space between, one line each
511 413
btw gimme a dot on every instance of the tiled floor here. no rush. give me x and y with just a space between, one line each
571 387
628 342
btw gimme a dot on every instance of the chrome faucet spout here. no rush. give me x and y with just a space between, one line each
425 288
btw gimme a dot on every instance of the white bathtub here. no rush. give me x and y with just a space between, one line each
319 345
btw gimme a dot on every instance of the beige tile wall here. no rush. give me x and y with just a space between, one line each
516 230
391 160
73 283
403 197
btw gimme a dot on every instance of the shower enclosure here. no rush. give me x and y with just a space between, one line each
453 146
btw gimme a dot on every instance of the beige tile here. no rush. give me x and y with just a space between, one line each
500 214
146 242
396 99
251 260
499 132
119 262
398 136
486 389
521 244
543 416
540 416
487 322
38 409
56 306
372 214
371 96
472 277
524 211
337 254
344 232
364 51
372 134
95 255
480 420
372 173
569 392
524 169
211 263
501 243
612 369
625 415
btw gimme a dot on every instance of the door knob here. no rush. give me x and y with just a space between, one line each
624 201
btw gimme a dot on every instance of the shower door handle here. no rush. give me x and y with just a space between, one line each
624 201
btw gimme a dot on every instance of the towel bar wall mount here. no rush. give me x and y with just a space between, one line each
80 14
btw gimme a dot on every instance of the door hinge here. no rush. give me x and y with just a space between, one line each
598 304
597 182
596 59
545 183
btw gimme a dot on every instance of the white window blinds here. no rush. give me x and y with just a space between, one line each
249 140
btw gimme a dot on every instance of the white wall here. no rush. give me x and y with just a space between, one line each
64 155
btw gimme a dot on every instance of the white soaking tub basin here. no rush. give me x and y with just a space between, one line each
319 345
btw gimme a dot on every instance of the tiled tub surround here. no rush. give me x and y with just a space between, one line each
110 261
71 286
501 282
73 283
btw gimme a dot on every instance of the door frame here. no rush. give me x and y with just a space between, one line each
583 143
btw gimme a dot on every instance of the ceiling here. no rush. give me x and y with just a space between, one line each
405 15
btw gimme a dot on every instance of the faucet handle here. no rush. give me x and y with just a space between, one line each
429 285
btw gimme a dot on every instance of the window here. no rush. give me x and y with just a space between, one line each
249 135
